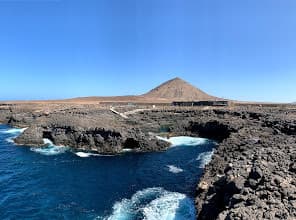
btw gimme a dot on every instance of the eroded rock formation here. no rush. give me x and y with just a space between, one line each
253 171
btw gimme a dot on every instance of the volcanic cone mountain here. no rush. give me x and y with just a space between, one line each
178 90
173 90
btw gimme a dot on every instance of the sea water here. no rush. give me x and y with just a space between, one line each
54 182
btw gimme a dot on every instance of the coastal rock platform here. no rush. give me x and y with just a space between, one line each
252 174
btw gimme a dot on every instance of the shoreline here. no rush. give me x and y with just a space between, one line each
252 172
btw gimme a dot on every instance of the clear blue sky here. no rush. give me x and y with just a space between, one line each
243 50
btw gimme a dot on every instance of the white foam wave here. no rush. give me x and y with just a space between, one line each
15 131
184 140
83 154
10 140
49 149
126 150
154 204
163 138
205 158
47 142
174 169
171 206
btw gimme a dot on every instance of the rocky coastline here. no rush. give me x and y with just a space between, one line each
252 174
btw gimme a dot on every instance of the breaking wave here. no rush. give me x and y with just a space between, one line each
15 132
184 140
86 154
205 158
83 154
154 204
126 150
174 169
10 139
49 149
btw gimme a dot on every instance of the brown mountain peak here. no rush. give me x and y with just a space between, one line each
178 89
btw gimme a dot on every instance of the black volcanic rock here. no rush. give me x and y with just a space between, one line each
32 136
252 172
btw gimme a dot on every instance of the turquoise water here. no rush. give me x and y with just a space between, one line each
56 183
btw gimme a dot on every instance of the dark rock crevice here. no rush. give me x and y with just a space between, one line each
48 135
131 143
214 130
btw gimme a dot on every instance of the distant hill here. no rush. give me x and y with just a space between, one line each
173 90
178 90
